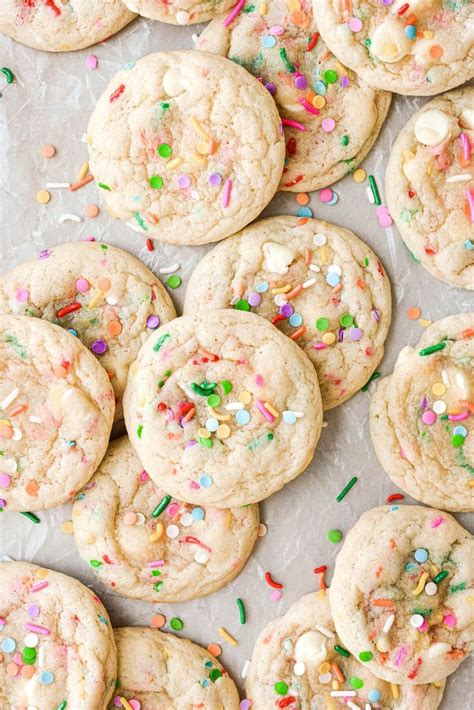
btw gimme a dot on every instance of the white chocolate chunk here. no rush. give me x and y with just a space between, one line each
277 257
404 355
182 17
310 648
438 649
389 42
174 82
432 127
467 118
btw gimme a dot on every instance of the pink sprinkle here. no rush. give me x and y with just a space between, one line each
156 563
400 655
91 61
5 480
194 485
429 417
355 24
326 195
436 522
184 181
33 610
22 295
458 417
144 477
293 124
233 14
37 629
172 510
309 108
385 220
276 595
82 285
319 346
259 381
276 30
135 704
424 626
466 147
227 189
39 586
379 211
268 415
470 198
450 620
328 125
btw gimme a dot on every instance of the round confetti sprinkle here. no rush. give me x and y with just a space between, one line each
173 281
214 649
172 531
326 194
457 441
22 295
184 181
328 125
276 595
68 527
460 431
355 334
330 76
322 324
268 41
305 212
286 310
439 406
329 338
281 688
152 322
46 678
319 102
320 240
176 624
223 431
164 150
365 656
91 61
295 320
211 425
421 555
201 557
99 347
156 182
302 198
82 285
346 320
242 416
91 211
429 417
255 299
262 530
8 645
413 313
5 480
213 401
33 611
335 536
242 305
205 480
356 682
439 388
197 514
48 150
416 620
374 695
215 179
245 397
299 668
385 220
431 589
333 279
355 25
43 197
359 175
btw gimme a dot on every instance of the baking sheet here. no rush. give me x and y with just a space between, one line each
50 102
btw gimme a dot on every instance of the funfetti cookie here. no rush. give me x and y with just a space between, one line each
330 117
99 293
430 189
401 594
421 416
222 409
316 282
57 648
297 659
57 408
62 25
186 146
145 545
180 12
158 671
421 47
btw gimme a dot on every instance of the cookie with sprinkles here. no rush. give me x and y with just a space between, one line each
330 117
62 25
186 146
146 545
181 12
158 671
430 186
401 593
299 659
222 408
101 294
57 408
421 416
316 282
419 47
56 642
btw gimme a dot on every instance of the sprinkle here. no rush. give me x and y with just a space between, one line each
10 398
342 651
284 58
374 189
226 636
91 61
39 586
243 617
31 516
226 192
346 489
421 584
465 177
68 217
115 94
343 693
233 14
271 582
83 181
10 77
176 623
335 536
161 506
170 269
125 704
37 629
388 623
71 308
43 197
310 108
439 577
57 185
432 349
300 127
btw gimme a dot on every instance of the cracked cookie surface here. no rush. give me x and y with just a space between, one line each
179 12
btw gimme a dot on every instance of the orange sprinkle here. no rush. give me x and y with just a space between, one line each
302 198
214 649
381 602
338 673
152 218
294 292
158 621
413 313
325 55
393 544
464 161
361 284
308 255
310 96
302 221
468 333
379 571
80 183
47 150
6 432
103 284
28 672
91 211
189 415
337 288
411 20
13 669
298 333
115 327
19 410
32 488
436 52
469 405
456 653
208 354
60 371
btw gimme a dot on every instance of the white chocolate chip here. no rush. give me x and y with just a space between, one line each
389 42
277 257
432 127
467 118
310 648
182 17
174 82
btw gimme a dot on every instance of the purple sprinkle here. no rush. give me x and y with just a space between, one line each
286 310
424 404
117 702
215 179
191 442
271 88
340 335
44 254
33 610
245 704
376 314
3 503
345 82
355 334
22 295
152 322
300 82
255 299
387 2
184 181
99 347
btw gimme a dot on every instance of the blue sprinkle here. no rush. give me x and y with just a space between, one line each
374 695
468 244
295 320
410 31
261 288
197 514
333 199
268 41
205 481
242 416
128 66
46 678
208 664
102 618
320 88
305 212
73 331
212 424
333 279
421 555
8 645
460 430
289 417
393 508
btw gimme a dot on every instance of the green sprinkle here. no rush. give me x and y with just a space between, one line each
31 516
160 342
289 66
226 386
366 261
139 430
457 440
242 305
335 536
164 502
439 577
330 76
164 105
322 324
215 674
156 182
156 573
281 687
157 586
342 651
104 186
173 281
374 376
204 389
365 656
10 77
140 221
356 682
457 588
346 489
176 624
432 349
270 436
206 443
345 140
95 564
164 150
375 191
243 617
213 401
346 320
63 705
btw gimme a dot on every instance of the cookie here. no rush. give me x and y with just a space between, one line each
222 408
62 25
422 48
57 645
331 118
421 417
429 185
160 671
105 296
318 283
57 409
147 546
180 12
295 656
401 593
187 146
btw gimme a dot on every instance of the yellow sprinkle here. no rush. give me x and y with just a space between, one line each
5 422
43 197
324 667
395 690
428 34
157 534
126 704
245 397
228 522
424 322
438 388
421 584
321 593
294 5
272 409
176 162
471 483
42 573
198 158
329 338
335 685
225 635
435 570
219 417
68 527
83 171
223 431
359 175
204 433
438 683
95 300
319 101
263 8
197 126
90 540
282 289
323 255
407 154
203 147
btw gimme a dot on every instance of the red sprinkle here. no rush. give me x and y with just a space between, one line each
271 582
118 91
318 570
286 702
50 3
195 541
312 41
68 309
278 318
291 147
395 496
401 10
149 245
295 181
